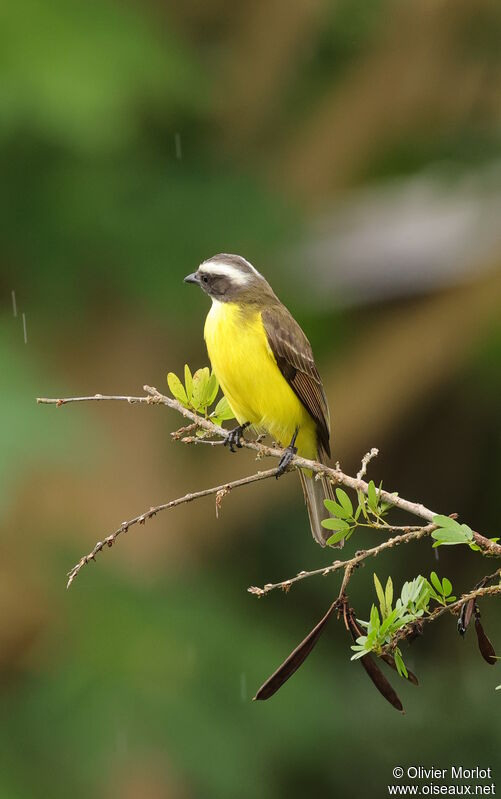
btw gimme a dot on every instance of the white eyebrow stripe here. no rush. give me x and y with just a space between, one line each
225 270
253 268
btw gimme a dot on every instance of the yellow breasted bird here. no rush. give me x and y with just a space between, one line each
265 367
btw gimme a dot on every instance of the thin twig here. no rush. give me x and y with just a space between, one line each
365 462
392 528
348 571
220 491
413 535
357 484
337 476
94 398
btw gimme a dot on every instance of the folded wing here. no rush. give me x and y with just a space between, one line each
293 354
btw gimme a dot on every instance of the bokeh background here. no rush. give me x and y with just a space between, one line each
351 150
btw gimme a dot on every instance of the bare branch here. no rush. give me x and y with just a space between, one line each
220 491
94 398
365 462
411 535
348 571
338 477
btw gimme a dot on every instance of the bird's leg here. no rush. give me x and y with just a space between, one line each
288 455
233 437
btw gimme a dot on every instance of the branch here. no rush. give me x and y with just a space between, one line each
365 462
154 397
220 492
215 436
347 565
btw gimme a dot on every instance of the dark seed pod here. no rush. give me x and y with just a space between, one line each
381 683
484 645
295 659
465 615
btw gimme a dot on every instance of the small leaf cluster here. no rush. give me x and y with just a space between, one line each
441 590
385 621
449 532
199 393
344 519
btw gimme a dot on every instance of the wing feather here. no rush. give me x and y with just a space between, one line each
293 354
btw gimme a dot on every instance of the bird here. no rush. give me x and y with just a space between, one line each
265 367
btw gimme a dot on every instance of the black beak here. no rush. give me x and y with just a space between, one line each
193 278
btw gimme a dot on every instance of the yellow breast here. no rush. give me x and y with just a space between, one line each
250 378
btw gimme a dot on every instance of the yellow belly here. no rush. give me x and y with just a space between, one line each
251 380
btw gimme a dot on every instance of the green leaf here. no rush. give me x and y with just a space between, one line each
374 622
449 537
334 539
399 663
223 411
432 594
188 381
342 529
380 595
450 532
336 509
390 621
200 381
372 496
345 501
404 594
447 586
176 388
362 506
444 521
467 531
436 582
335 524
407 619
212 389
358 655
388 594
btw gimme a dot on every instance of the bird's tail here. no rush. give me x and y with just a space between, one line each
315 491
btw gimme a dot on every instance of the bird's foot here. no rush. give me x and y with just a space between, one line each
287 457
233 437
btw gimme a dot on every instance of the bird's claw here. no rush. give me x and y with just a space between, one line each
285 460
233 437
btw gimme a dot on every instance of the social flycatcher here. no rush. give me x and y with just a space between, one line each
265 366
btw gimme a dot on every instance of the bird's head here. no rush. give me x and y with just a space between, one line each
230 278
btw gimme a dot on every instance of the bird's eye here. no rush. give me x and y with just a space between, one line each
205 279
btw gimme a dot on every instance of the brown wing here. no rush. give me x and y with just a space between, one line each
294 357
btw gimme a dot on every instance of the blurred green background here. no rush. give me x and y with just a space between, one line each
350 150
